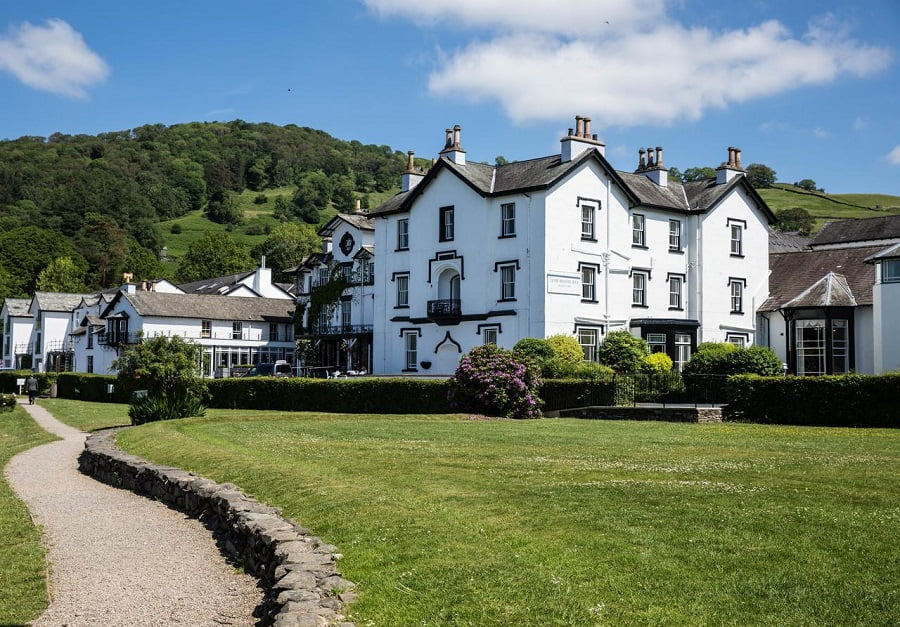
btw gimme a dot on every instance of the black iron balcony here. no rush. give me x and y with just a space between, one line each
116 338
444 308
338 329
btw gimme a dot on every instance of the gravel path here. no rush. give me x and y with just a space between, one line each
117 558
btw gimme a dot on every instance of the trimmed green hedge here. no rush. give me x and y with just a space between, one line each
568 393
91 387
830 401
363 395
8 380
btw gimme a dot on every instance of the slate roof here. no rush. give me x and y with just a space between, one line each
780 242
829 291
19 307
216 285
792 274
209 307
361 221
57 301
891 252
859 230
523 176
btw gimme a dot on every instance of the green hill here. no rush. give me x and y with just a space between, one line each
827 208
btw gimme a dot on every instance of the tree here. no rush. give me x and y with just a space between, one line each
312 196
287 245
342 194
104 245
214 254
500 160
807 184
676 175
25 251
699 174
61 275
759 175
795 219
141 263
169 369
623 352
224 209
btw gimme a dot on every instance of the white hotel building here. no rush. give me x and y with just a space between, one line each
471 253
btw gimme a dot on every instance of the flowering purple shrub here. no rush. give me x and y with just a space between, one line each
496 382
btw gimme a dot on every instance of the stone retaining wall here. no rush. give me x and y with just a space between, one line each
303 585
669 414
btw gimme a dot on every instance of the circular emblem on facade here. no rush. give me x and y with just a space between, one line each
347 243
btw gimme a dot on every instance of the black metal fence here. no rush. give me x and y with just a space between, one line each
654 389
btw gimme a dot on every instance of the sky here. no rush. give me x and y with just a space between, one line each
810 88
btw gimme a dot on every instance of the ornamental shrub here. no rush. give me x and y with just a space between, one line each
752 360
566 347
7 402
716 346
657 363
623 352
164 407
535 348
559 368
496 382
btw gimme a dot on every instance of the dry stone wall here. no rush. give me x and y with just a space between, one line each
304 587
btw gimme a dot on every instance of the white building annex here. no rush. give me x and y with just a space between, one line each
835 299
472 253
18 323
339 334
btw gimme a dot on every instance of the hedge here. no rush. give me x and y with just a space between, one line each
363 395
8 380
92 387
832 401
568 393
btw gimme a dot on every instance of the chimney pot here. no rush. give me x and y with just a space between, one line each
730 156
579 126
449 141
651 160
642 160
410 163
358 206
571 132
737 159
659 160
587 127
456 130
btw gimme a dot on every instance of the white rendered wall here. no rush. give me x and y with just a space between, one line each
886 335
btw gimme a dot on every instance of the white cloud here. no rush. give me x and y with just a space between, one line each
51 57
572 17
548 60
893 156
860 123
820 133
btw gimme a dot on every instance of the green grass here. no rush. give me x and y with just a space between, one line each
826 208
23 589
449 521
86 416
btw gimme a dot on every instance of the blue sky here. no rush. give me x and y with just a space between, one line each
808 87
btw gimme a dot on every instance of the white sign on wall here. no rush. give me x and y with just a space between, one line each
564 283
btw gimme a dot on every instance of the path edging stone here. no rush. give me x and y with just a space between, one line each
298 571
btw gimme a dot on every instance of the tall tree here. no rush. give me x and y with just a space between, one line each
214 254
104 245
61 275
312 195
795 219
25 251
141 263
759 175
287 245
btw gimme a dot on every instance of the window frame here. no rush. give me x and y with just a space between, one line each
675 236
206 328
638 230
402 283
736 287
654 342
736 236
507 220
237 330
645 278
738 339
589 350
446 224
490 335
592 269
410 348
892 276
403 234
673 280
507 287
588 223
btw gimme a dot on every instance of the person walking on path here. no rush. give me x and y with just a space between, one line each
117 558
31 386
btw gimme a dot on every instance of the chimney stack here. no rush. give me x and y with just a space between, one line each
731 168
651 160
411 177
453 150
653 167
642 160
577 142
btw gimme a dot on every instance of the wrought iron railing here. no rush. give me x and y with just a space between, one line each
444 307
115 338
337 329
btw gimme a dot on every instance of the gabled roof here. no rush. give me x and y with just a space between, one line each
704 195
57 301
859 230
217 285
829 291
792 274
502 180
891 252
780 242
207 307
19 307
361 221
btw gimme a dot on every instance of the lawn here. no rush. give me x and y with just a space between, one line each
446 520
86 416
23 589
